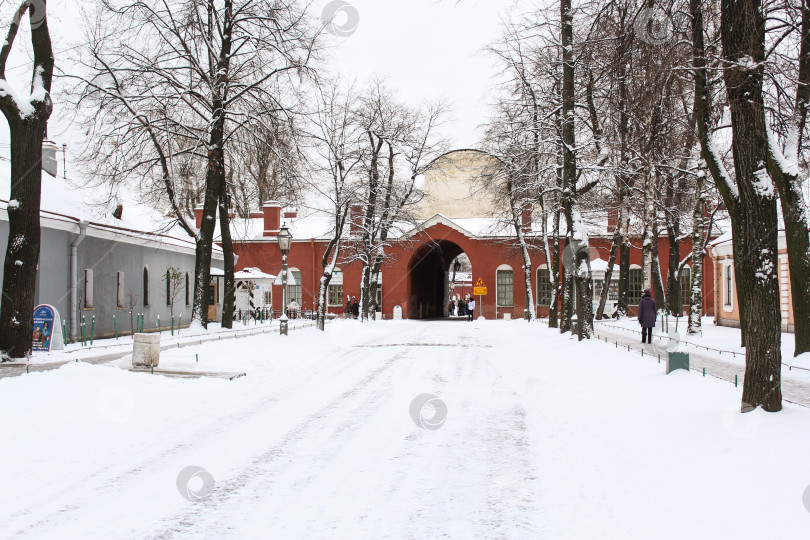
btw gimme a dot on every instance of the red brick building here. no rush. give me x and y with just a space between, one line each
417 273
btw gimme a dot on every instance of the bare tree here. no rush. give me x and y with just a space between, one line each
750 199
401 142
182 82
784 168
336 154
27 119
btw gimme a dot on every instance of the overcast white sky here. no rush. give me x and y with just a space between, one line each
429 49
426 48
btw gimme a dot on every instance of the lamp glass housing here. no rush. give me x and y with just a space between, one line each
284 239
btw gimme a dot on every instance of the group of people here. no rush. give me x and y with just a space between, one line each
352 307
462 308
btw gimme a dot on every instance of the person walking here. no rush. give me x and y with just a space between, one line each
355 308
470 309
646 316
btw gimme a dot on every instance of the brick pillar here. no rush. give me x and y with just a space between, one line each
526 217
612 219
355 219
272 218
198 215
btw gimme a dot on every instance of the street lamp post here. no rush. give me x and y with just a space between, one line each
284 243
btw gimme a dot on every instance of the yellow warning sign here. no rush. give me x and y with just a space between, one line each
479 289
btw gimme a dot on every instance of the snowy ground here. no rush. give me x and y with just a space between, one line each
544 438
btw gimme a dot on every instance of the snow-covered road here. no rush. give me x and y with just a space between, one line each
544 438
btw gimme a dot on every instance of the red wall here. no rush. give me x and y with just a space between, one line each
485 255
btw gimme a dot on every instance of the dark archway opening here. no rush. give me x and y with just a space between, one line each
429 279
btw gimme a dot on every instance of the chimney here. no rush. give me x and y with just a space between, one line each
526 217
198 213
613 219
355 219
290 213
119 211
272 218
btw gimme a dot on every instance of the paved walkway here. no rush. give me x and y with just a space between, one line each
14 369
794 390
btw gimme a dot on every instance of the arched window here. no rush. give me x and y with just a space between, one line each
294 291
543 286
145 285
686 285
188 292
728 287
505 282
636 280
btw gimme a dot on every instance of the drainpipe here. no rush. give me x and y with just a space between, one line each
74 281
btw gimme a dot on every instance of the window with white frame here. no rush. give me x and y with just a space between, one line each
334 295
188 291
728 287
636 282
505 284
294 291
543 287
88 288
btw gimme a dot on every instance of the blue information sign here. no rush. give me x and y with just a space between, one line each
47 329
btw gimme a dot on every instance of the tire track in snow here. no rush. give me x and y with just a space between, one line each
214 428
255 476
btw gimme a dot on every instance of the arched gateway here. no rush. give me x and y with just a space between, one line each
429 279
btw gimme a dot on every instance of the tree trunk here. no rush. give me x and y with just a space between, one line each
205 237
567 311
743 37
554 276
26 134
22 253
696 276
722 180
788 181
229 286
657 282
624 279
674 304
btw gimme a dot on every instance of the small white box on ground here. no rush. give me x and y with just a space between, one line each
507 316
397 313
146 350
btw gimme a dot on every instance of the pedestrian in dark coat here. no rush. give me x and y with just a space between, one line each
646 316
355 308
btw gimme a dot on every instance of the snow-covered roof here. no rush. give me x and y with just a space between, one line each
252 273
65 203
599 265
